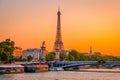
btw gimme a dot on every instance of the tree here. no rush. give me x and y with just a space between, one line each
83 57
4 57
63 56
16 59
1 52
50 56
110 58
75 54
70 57
24 59
29 58
96 57
6 50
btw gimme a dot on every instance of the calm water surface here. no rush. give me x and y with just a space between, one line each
62 75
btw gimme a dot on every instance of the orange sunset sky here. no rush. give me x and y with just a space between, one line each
84 23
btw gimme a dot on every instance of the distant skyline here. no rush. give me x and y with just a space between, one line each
84 23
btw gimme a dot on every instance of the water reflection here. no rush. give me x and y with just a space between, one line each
62 75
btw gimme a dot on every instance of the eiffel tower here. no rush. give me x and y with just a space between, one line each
58 44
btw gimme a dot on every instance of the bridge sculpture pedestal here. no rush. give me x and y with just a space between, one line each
42 53
57 55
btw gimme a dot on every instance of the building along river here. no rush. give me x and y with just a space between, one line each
62 75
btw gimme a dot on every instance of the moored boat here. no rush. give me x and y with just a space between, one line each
7 69
36 67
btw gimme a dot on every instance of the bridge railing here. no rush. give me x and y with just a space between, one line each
77 63
113 62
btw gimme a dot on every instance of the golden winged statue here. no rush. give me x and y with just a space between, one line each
43 43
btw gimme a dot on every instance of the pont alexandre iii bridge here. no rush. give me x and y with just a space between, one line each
56 63
76 64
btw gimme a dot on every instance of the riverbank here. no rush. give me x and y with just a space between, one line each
101 70
62 75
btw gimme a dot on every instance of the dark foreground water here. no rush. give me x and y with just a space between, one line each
62 75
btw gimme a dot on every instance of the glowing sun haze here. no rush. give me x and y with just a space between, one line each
84 23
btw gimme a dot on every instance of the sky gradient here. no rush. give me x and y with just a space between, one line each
84 23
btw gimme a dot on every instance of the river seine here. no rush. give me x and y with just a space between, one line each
62 75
